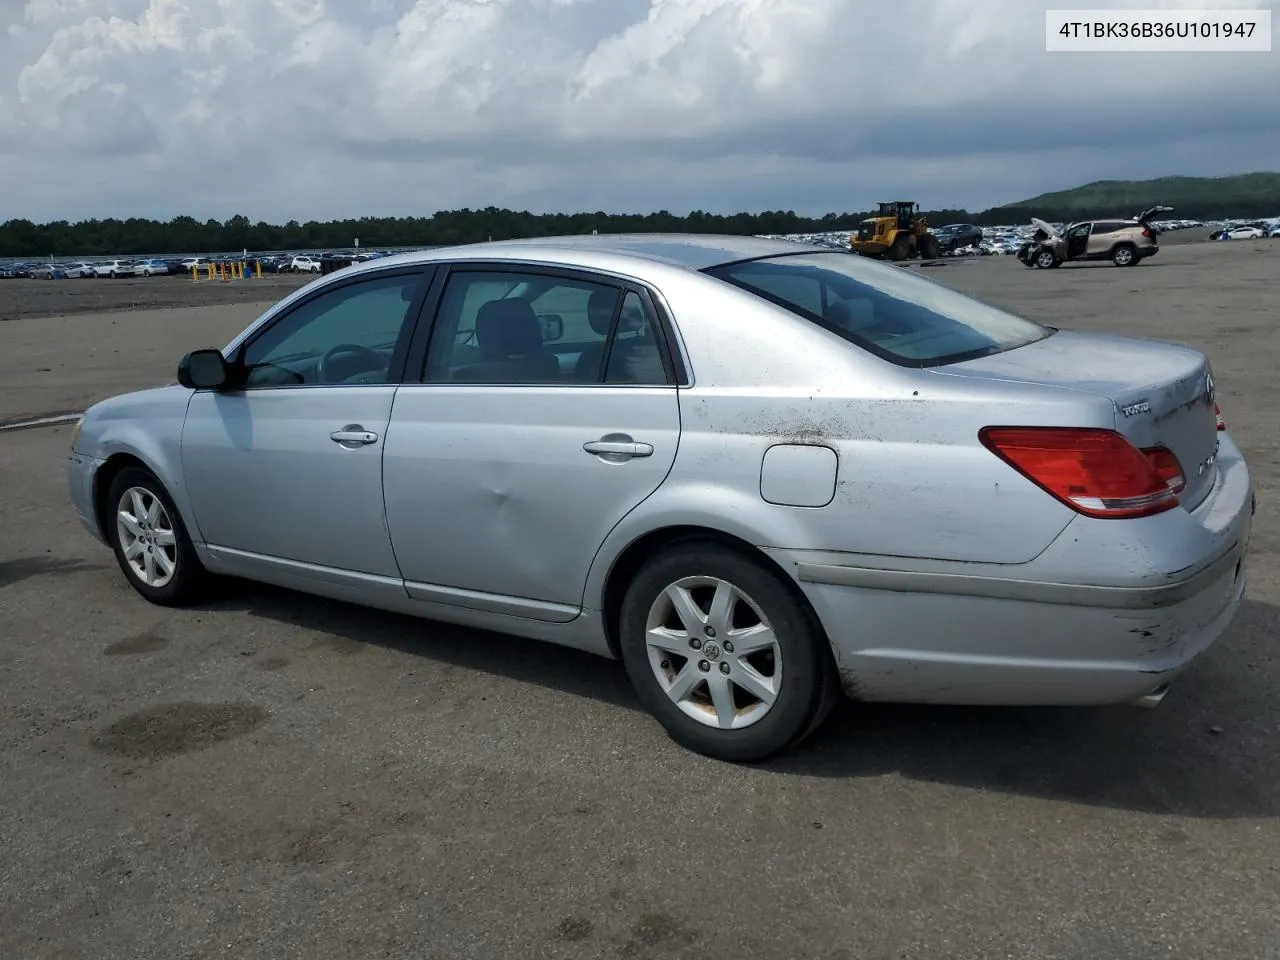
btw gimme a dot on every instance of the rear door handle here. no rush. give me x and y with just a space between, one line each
353 435
618 448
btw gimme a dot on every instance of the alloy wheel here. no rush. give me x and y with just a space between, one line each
147 538
713 652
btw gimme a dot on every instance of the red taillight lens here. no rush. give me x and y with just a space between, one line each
1217 415
1096 472
1166 465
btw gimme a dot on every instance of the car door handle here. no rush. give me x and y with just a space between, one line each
353 435
618 448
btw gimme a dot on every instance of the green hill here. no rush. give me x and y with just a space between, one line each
1245 195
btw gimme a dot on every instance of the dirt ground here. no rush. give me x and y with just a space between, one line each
25 299
271 775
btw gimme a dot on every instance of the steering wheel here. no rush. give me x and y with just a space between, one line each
379 362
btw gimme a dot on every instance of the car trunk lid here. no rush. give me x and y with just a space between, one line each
1163 393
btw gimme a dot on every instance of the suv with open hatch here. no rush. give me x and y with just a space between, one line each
1125 243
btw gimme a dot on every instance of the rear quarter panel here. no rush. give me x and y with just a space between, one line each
912 480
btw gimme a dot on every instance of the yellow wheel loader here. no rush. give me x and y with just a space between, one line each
896 233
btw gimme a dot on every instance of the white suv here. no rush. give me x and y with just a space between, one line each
305 264
115 268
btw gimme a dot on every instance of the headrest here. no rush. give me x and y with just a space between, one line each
507 328
600 310
851 314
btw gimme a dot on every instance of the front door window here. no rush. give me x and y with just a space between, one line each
347 335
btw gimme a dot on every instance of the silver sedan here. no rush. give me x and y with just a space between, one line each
760 474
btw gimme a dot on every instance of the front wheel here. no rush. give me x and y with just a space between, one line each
1045 259
723 654
150 541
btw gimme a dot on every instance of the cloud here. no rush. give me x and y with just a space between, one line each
316 108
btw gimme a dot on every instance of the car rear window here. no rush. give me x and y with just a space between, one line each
892 312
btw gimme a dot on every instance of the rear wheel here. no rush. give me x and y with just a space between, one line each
1124 256
150 541
901 248
723 654
929 249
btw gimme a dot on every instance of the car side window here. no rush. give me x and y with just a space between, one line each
342 336
520 328
635 355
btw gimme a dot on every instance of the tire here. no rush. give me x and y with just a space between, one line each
1044 259
929 249
188 578
901 248
799 654
1124 255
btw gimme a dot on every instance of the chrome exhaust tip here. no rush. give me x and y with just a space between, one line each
1152 699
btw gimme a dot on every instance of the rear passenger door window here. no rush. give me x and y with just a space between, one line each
496 327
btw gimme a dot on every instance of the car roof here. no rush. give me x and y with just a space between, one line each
692 251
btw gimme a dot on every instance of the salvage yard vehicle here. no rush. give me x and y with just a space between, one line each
115 269
758 473
953 236
1125 243
153 267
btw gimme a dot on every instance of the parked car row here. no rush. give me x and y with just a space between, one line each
1251 230
182 266
85 270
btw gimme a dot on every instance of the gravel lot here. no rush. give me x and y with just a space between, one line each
24 299
279 776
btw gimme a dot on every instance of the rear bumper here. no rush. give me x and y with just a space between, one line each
947 648
1110 613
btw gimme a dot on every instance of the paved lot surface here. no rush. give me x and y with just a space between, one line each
277 776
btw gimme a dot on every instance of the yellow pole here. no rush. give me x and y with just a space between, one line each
257 269
195 272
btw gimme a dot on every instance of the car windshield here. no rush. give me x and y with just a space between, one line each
889 311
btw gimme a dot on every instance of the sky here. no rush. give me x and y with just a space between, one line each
320 109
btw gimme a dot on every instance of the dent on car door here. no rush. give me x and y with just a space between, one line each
287 465
546 411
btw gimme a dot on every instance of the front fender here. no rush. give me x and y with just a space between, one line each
146 426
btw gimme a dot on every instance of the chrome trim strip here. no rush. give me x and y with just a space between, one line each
492 602
1073 594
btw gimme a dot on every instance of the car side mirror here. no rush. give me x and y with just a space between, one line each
204 370
552 327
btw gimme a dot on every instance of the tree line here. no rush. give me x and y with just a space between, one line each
109 237
186 235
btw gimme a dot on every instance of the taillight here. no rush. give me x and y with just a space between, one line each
1095 472
1217 415
1166 465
